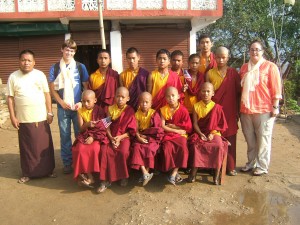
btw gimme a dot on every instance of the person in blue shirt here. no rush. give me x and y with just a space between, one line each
67 78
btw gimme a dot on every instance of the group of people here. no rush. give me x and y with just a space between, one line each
165 120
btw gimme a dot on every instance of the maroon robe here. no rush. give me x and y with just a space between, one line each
174 81
106 92
174 152
228 96
86 157
114 162
212 64
144 154
209 154
195 91
138 86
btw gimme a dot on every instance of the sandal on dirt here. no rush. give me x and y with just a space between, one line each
103 186
178 178
147 178
232 173
23 180
82 176
85 184
172 180
259 172
52 175
191 179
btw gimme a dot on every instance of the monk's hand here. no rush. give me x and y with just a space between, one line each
92 123
185 87
170 125
203 137
182 132
89 140
15 122
142 139
210 137
77 106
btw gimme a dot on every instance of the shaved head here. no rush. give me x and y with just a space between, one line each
172 89
123 90
89 93
145 94
222 50
207 84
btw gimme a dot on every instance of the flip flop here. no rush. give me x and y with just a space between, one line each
172 180
85 184
147 178
23 180
178 178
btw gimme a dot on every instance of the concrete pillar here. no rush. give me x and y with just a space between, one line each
116 46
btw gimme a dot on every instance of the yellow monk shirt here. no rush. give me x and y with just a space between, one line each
158 82
215 78
189 100
203 109
144 120
168 114
203 63
128 76
115 112
97 79
86 114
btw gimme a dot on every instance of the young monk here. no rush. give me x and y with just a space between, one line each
115 150
147 139
161 78
207 57
86 147
192 84
206 146
177 62
104 81
134 78
227 85
177 124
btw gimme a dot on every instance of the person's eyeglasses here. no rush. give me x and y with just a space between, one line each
255 50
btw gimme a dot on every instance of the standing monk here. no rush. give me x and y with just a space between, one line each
207 58
30 110
66 79
161 78
134 78
261 91
104 81
227 85
177 62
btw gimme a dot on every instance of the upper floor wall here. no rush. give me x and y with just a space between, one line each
33 10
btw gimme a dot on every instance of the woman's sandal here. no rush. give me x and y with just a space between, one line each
23 180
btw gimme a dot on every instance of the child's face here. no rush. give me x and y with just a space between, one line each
177 62
194 64
68 53
162 61
207 92
121 98
172 97
222 59
88 101
103 60
133 60
145 103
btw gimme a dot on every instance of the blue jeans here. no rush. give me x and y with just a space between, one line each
65 118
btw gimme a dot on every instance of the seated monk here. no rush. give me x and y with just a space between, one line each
115 150
104 81
86 148
177 124
161 78
206 146
147 138
134 78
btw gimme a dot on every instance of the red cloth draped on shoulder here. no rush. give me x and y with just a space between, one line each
174 81
106 92
195 91
209 154
138 85
212 63
86 157
228 96
174 152
113 162
144 154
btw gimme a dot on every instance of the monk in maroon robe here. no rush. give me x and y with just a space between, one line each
227 94
115 150
177 124
104 81
206 145
147 140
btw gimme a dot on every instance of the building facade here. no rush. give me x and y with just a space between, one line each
43 25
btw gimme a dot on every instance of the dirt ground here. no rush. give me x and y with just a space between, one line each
244 199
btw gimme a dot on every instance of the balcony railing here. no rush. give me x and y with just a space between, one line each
8 6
